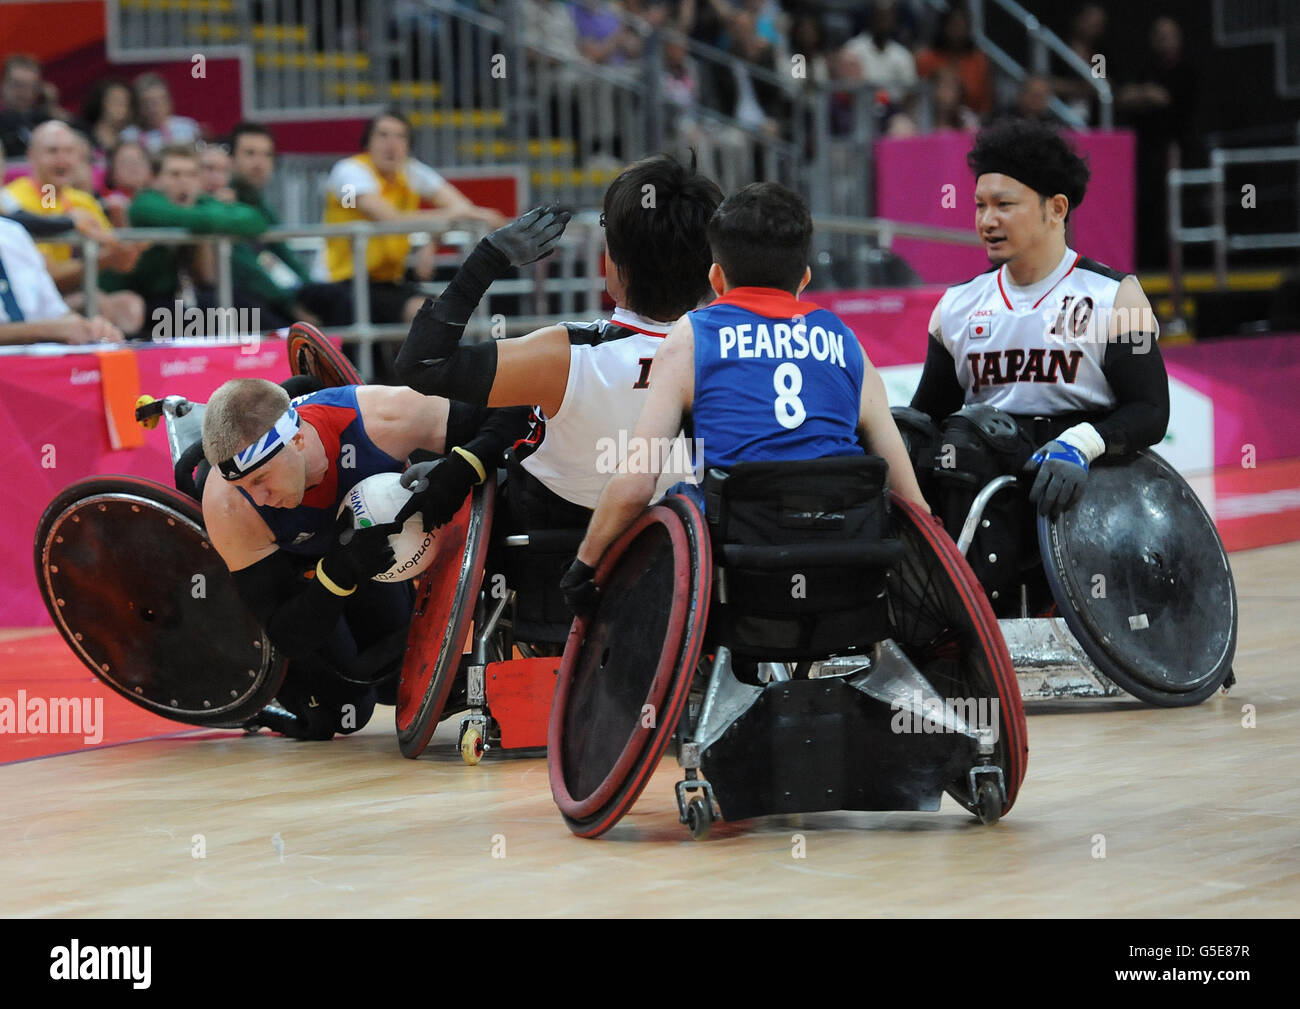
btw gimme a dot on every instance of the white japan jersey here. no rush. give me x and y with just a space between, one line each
1036 350
581 447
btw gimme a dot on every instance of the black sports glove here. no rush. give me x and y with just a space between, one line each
438 489
578 587
531 237
1062 472
359 553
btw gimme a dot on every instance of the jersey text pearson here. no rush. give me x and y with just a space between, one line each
782 340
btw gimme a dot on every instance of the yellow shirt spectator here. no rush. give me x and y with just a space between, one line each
23 194
355 177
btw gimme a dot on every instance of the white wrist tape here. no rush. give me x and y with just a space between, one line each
1085 438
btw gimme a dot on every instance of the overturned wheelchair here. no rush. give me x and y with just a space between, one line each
131 580
495 589
1130 591
811 644
134 586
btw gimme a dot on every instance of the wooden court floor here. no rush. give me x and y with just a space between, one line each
1195 815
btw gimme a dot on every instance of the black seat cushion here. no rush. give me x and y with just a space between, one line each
802 549
555 528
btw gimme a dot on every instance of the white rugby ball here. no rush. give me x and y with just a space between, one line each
377 499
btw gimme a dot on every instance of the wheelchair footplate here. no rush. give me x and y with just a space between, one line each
868 733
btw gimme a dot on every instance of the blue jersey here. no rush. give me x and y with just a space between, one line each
352 456
775 379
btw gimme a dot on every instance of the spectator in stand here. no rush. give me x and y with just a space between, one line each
129 171
31 308
681 80
52 153
656 13
886 63
1033 100
384 183
83 168
808 39
766 18
22 108
602 36
549 26
845 71
1160 106
954 47
707 25
757 105
1087 30
109 108
158 127
214 171
269 276
950 109
48 225
166 273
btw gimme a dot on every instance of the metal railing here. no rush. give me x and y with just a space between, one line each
1259 22
567 285
1042 41
479 88
1217 233
567 275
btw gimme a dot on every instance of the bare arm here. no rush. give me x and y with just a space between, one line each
376 208
671 395
876 425
533 370
458 206
67 274
70 328
400 420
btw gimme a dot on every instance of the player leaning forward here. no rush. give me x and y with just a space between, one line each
282 470
1062 344
760 374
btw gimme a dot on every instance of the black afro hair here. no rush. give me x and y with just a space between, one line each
1032 153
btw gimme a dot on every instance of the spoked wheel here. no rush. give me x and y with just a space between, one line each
444 613
627 669
311 353
136 589
943 623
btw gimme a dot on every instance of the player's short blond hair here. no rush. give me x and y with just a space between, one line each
239 413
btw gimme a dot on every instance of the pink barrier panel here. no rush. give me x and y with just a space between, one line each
53 430
911 174
1252 383
890 323
1248 384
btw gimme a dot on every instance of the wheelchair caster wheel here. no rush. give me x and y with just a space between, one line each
989 802
471 745
699 818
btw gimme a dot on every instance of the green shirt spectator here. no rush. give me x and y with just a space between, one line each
178 203
269 271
